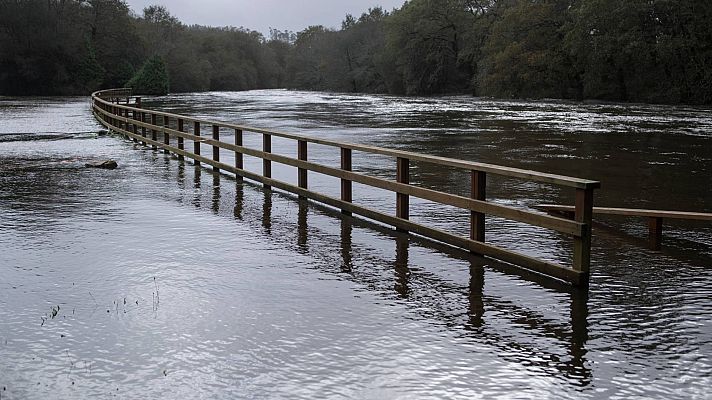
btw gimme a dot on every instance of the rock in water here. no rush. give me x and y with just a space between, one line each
105 164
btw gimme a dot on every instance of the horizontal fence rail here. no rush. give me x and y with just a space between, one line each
655 217
137 123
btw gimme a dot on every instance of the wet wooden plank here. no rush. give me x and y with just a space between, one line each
583 213
632 212
402 199
166 137
478 191
154 131
346 184
266 162
239 160
302 172
216 149
196 139
181 140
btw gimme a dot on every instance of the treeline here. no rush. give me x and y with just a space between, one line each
50 47
633 50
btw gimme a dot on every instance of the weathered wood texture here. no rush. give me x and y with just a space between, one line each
114 116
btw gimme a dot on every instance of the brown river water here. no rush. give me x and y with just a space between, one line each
160 280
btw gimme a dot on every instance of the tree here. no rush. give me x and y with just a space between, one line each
643 50
152 78
523 54
160 30
310 57
113 37
424 40
361 45
684 49
91 74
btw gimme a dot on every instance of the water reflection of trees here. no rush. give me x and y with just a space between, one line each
520 334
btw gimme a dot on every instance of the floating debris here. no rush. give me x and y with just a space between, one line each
105 164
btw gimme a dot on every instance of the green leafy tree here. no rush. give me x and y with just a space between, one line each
523 55
361 45
424 40
151 78
91 73
310 57
113 36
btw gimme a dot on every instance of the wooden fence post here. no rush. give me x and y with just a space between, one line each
479 192
154 132
120 124
402 200
143 128
181 141
582 245
166 137
127 127
346 185
196 143
239 161
216 149
302 173
267 164
134 116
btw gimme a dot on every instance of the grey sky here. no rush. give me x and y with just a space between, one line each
260 15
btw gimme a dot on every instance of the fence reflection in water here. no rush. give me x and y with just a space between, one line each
465 306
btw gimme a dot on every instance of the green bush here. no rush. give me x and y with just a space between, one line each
151 78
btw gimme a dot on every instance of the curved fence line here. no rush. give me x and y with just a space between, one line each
142 125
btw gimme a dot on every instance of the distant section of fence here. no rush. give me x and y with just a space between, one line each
655 218
142 125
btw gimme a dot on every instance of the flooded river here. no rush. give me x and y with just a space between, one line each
160 280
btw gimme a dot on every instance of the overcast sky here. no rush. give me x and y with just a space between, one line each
260 15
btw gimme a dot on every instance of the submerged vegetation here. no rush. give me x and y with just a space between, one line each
637 50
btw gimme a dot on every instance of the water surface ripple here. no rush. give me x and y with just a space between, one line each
160 280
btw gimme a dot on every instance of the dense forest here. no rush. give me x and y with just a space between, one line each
633 50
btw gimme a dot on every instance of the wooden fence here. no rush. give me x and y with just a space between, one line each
142 125
655 218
